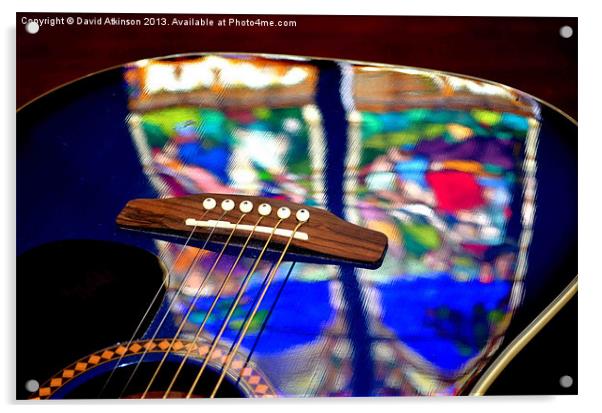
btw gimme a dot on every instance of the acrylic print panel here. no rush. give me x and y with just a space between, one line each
461 176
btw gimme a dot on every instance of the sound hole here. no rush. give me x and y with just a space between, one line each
92 388
77 296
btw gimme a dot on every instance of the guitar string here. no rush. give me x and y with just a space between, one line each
172 302
251 302
178 172
211 308
265 322
231 311
150 306
245 328
161 257
192 306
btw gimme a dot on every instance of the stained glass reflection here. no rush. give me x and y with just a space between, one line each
438 163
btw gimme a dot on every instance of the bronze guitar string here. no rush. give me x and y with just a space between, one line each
172 302
210 311
191 307
150 306
245 328
265 321
231 311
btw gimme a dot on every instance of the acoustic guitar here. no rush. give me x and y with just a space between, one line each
222 225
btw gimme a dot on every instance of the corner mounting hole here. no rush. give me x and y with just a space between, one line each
32 385
566 32
566 381
32 27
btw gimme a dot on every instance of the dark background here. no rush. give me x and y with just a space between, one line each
526 53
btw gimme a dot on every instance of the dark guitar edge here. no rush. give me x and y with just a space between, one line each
523 338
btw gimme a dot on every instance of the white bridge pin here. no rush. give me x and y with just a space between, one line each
246 206
283 212
264 209
209 203
228 205
302 215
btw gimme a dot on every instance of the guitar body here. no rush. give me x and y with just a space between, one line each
472 183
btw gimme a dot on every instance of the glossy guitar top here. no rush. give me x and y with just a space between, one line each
442 233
